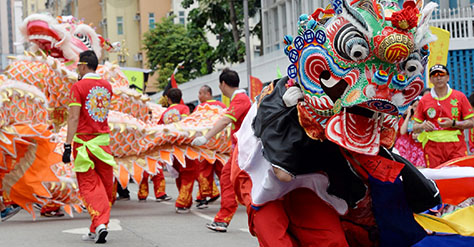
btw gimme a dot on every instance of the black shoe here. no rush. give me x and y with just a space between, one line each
164 197
56 213
101 235
218 226
202 204
213 199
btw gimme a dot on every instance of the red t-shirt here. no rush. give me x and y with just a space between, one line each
453 106
174 113
238 108
93 95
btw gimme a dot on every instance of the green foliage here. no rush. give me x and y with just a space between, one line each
214 16
169 44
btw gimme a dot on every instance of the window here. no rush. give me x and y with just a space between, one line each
151 20
181 17
33 8
119 25
283 19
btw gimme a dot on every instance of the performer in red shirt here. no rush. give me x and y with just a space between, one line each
442 115
187 175
89 129
235 114
207 185
174 113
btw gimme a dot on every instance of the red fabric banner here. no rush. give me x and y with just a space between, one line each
255 87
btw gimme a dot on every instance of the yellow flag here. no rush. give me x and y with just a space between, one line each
438 49
135 78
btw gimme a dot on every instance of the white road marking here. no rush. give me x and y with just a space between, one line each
212 219
114 225
202 215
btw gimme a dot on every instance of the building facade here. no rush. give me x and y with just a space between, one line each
280 18
11 16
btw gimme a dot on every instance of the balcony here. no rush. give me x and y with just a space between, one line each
460 23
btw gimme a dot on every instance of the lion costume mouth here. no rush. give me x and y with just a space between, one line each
352 129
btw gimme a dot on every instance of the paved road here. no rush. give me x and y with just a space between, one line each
132 223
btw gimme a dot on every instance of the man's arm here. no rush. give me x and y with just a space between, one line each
465 124
72 122
218 127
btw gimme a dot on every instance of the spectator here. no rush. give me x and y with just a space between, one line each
191 107
407 144
442 115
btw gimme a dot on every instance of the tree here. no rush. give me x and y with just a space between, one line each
169 44
225 19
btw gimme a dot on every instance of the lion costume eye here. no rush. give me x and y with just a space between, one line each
84 39
350 44
412 66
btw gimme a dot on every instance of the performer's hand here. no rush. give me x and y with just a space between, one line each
445 122
198 141
428 126
67 153
292 96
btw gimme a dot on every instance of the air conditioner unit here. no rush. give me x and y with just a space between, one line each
103 22
138 57
137 17
256 49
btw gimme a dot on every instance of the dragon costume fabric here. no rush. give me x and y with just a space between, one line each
358 65
34 95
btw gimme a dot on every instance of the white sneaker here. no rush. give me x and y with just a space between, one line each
101 232
88 237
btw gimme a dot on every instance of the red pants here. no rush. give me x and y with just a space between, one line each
159 185
96 188
207 185
185 182
228 202
300 218
437 153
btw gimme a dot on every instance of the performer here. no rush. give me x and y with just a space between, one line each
185 181
88 128
208 191
442 115
174 113
235 114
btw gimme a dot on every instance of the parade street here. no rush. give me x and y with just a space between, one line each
132 223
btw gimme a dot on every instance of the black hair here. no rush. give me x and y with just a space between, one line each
424 91
208 89
229 77
174 94
191 107
90 58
